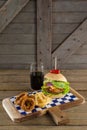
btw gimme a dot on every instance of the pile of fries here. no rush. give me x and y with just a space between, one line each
41 100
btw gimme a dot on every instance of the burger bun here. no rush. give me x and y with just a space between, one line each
57 96
56 77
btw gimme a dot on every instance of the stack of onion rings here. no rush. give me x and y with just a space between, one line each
28 102
25 101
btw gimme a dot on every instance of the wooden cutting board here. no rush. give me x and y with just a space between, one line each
72 99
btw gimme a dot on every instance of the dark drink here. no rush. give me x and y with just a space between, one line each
36 80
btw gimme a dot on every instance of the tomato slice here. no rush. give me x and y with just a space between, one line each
55 71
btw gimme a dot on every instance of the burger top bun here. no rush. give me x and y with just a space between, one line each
57 77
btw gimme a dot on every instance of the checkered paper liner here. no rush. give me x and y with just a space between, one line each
54 102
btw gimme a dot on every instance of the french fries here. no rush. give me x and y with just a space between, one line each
41 100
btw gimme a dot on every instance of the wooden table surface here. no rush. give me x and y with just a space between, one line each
13 82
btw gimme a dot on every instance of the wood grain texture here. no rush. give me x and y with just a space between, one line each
30 7
20 80
77 115
2 2
77 38
20 28
6 59
16 65
9 10
58 116
25 17
44 32
17 50
23 86
67 17
44 127
17 39
78 59
70 6
65 13
58 38
13 79
64 28
73 65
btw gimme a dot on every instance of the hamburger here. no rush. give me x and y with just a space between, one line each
55 85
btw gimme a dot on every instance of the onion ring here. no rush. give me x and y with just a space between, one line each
20 97
28 104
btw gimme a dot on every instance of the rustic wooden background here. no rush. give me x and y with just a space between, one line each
18 39
19 35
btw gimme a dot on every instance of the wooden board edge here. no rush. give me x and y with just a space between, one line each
10 109
79 101
14 115
81 98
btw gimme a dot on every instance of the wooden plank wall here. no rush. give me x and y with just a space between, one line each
44 32
18 40
2 2
67 15
65 51
9 11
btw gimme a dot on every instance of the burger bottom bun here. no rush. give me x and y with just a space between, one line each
57 96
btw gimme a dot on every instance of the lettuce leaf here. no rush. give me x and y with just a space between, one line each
61 84
56 84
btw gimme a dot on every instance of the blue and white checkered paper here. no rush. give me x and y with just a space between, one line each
55 102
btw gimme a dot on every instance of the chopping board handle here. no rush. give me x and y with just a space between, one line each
58 116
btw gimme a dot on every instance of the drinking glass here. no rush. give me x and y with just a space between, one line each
36 75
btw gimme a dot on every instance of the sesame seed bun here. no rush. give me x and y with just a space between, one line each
57 77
